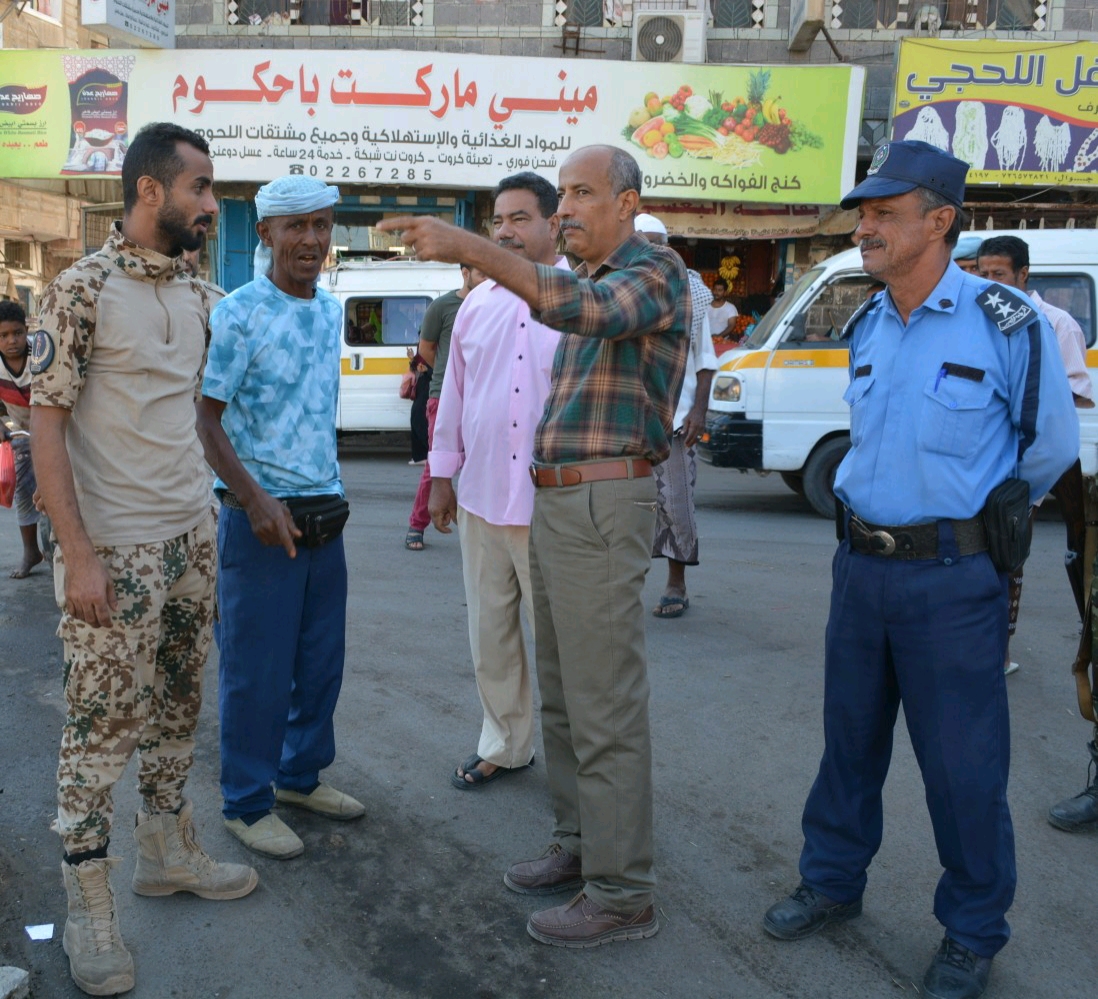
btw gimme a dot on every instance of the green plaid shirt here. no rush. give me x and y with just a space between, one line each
619 367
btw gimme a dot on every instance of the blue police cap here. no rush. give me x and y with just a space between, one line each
899 167
966 248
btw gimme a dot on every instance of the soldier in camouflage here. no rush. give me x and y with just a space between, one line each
116 360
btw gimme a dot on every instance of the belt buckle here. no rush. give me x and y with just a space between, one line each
886 541
533 475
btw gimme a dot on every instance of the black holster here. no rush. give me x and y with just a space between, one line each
320 519
1009 528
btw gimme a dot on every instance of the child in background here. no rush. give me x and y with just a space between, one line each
15 395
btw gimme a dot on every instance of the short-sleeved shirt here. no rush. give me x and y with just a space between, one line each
437 326
274 362
721 315
702 355
15 393
945 407
126 333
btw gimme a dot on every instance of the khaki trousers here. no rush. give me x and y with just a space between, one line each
496 565
590 550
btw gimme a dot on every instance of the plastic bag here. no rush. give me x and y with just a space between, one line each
7 474
408 384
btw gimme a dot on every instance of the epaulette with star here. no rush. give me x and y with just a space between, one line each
1006 308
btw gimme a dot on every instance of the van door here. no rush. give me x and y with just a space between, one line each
378 331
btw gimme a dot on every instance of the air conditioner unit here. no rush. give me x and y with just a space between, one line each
669 36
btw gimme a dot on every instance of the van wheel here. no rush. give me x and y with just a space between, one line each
795 481
819 475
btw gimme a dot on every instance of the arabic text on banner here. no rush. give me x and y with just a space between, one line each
785 134
1017 112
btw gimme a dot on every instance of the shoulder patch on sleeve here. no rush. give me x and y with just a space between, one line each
1005 308
848 329
42 352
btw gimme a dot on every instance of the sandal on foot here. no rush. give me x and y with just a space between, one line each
479 780
413 541
671 606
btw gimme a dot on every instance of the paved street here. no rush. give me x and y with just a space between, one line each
409 902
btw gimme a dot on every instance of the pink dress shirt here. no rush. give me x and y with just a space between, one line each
1073 346
497 381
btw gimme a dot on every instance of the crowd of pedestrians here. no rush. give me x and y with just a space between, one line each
561 432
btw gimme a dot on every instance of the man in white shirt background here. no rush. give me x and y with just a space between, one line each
676 537
722 313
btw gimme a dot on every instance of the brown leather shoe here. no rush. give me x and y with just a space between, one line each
555 870
583 923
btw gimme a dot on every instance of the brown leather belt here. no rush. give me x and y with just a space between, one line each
594 471
914 541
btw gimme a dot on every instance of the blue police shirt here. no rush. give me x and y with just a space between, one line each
274 362
945 408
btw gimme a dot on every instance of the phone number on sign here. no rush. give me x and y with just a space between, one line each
360 173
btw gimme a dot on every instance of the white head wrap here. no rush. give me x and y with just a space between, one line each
291 195
294 196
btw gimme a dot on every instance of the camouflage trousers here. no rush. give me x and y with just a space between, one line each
136 685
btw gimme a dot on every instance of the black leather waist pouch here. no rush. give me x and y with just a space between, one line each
1009 528
320 519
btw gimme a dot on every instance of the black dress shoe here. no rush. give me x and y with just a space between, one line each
805 912
956 973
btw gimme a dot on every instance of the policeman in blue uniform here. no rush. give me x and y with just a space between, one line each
956 385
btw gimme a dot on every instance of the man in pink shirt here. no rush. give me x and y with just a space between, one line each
495 390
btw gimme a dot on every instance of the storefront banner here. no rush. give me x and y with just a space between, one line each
785 134
727 220
1021 113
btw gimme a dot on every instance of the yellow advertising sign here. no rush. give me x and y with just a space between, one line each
783 134
1018 112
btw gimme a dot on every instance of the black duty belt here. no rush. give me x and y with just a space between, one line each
914 541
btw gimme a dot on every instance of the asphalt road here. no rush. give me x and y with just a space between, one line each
409 901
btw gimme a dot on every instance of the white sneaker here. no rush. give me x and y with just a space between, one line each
1011 668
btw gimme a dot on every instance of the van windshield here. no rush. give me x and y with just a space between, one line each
765 326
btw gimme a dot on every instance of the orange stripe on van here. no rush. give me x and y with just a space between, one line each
375 366
828 357
756 359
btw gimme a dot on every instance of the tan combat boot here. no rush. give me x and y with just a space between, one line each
169 859
98 960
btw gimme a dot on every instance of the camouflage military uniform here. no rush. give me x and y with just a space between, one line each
122 340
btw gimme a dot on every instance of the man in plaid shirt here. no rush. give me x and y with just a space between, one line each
625 314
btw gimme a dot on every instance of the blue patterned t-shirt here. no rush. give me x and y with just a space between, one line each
274 362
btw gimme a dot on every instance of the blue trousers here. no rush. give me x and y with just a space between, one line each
281 640
930 635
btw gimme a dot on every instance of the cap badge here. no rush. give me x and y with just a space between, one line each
879 158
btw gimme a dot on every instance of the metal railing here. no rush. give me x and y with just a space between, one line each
934 15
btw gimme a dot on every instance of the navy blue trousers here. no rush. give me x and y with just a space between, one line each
281 640
930 635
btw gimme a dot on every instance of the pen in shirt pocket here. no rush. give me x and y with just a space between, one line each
941 374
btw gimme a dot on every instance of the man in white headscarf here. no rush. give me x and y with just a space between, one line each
267 421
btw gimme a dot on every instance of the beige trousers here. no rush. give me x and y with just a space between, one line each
590 549
496 565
